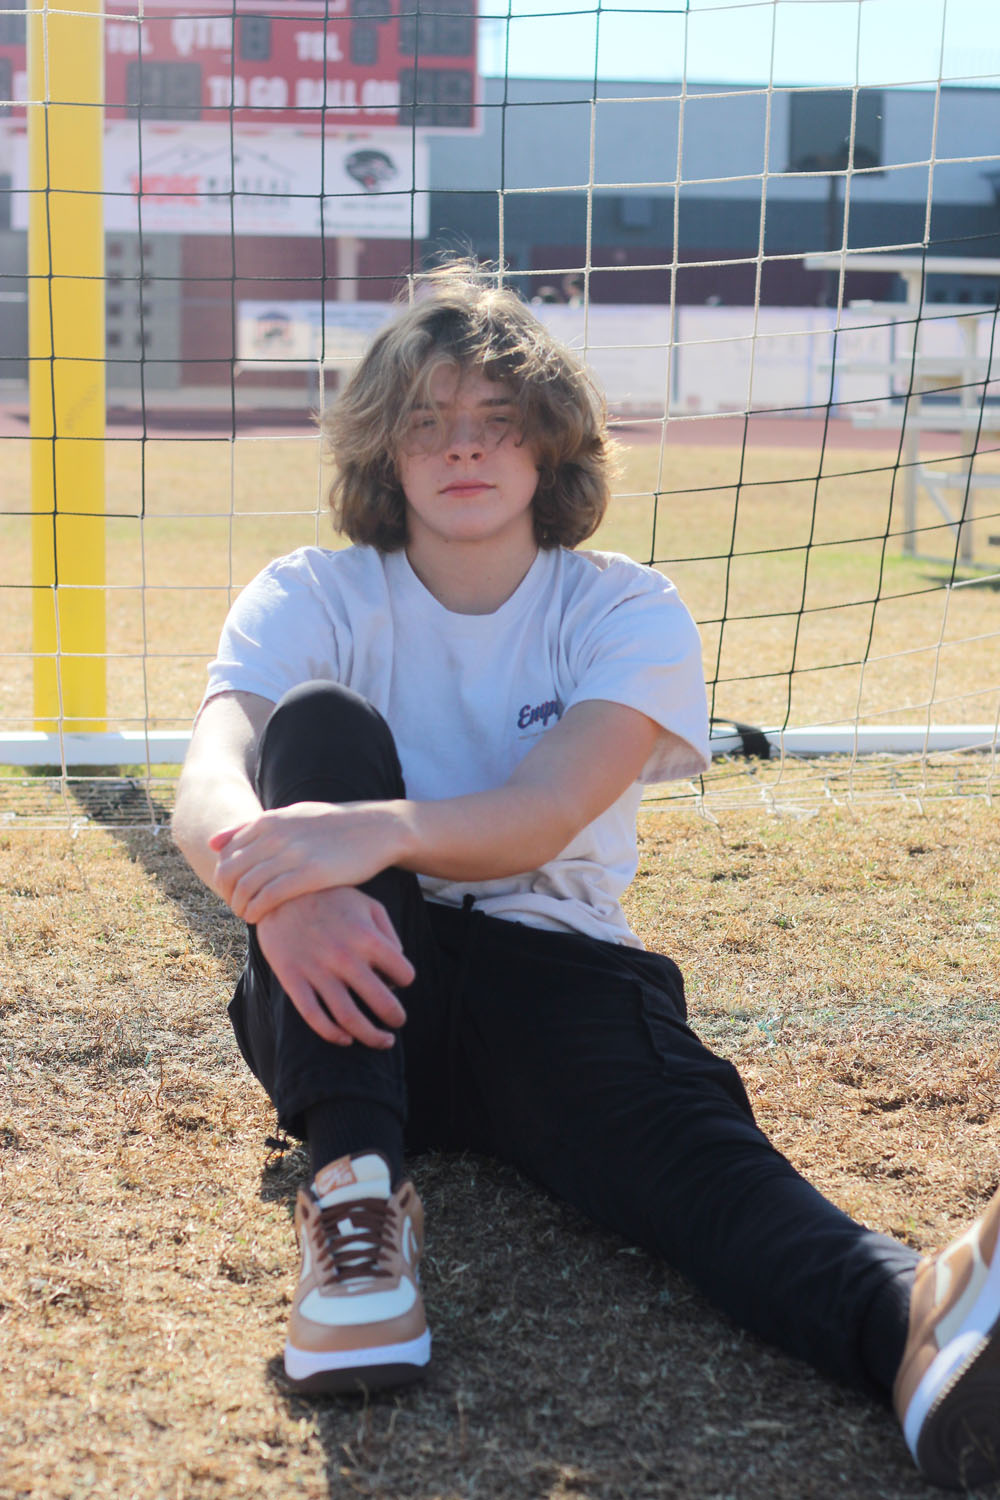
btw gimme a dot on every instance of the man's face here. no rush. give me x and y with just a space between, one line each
465 471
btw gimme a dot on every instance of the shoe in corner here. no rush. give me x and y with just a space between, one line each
947 1392
357 1317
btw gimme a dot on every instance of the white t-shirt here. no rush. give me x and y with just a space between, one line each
466 696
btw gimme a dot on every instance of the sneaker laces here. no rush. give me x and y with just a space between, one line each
354 1252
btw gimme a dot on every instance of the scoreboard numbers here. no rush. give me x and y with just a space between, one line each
367 63
442 97
255 38
448 31
163 90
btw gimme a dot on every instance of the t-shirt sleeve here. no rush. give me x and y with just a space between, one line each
642 649
277 634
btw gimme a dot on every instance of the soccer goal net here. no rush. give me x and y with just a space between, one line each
772 229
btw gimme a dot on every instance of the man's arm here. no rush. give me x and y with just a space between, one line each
575 772
569 778
322 944
216 786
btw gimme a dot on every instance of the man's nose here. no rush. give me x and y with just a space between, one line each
465 434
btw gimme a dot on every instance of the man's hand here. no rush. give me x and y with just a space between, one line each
324 944
307 846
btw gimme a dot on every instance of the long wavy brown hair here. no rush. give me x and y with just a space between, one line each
464 319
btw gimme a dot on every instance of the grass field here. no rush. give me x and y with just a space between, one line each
146 1256
824 621
846 960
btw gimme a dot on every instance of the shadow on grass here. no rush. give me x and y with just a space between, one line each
569 1364
105 796
121 805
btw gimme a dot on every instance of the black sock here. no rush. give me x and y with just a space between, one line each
344 1127
883 1334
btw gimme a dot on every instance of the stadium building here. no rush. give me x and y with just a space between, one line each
650 193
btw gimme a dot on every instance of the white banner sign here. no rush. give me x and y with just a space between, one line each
202 179
276 334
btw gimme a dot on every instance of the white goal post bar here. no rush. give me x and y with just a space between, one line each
137 747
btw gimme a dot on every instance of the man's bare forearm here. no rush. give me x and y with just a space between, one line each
571 776
209 799
484 836
216 787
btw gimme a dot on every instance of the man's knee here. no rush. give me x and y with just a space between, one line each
326 705
325 742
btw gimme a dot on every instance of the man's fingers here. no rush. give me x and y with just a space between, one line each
314 1012
219 840
383 922
254 895
239 880
360 976
236 880
336 999
260 890
390 961
267 884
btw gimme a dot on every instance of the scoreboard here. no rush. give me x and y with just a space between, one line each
330 64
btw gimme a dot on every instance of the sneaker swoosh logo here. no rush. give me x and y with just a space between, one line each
951 1325
372 1307
943 1279
411 1250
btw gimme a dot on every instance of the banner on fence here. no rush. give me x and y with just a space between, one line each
206 179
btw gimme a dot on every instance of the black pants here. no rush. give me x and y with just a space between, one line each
571 1059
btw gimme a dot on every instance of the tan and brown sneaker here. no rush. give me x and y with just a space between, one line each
947 1392
358 1316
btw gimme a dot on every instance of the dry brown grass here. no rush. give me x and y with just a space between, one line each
146 1259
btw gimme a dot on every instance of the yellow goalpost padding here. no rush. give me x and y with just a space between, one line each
67 354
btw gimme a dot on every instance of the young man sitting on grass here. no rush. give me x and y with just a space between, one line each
415 776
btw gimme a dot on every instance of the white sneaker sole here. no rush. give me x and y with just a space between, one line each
952 1424
348 1369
